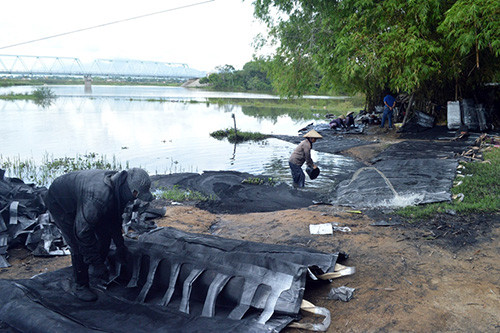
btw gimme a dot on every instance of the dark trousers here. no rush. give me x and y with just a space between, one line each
387 115
65 222
298 176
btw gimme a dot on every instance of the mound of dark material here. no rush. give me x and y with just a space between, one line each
174 282
22 219
407 173
230 192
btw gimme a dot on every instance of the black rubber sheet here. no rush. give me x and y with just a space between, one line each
407 173
174 282
230 194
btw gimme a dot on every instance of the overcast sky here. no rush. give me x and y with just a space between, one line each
202 36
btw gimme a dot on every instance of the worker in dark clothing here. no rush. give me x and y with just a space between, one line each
301 155
338 122
349 120
87 207
389 105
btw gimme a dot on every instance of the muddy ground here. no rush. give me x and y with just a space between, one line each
438 275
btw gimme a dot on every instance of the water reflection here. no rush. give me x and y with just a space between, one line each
161 136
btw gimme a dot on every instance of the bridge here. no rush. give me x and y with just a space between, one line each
118 68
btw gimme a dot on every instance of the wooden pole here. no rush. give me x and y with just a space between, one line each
235 130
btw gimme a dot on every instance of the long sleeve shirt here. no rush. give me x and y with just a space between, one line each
302 153
94 201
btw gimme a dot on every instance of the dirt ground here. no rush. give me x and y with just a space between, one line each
440 275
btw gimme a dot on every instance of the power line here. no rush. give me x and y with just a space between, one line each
109 23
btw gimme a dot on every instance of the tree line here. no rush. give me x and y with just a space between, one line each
431 50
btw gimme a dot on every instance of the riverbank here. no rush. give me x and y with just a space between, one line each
435 274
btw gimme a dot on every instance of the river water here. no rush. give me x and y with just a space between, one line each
131 125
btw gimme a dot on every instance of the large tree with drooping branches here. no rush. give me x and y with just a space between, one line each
429 49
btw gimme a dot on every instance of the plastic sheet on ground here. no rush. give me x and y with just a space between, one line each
174 282
230 194
343 293
407 173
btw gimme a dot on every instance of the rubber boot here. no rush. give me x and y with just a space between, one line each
84 293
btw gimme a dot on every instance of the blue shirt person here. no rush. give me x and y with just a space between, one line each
389 104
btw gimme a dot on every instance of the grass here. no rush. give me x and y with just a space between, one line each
237 136
259 181
41 96
50 168
480 186
178 194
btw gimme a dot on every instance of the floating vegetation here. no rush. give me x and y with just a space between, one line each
41 96
259 181
179 195
237 136
42 174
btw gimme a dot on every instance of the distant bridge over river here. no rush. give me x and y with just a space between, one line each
118 68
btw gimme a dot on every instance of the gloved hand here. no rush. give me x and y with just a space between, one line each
99 271
122 254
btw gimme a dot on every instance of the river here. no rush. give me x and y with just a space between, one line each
161 129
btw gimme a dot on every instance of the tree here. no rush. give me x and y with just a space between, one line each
253 77
421 47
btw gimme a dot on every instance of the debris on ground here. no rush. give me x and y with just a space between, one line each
343 293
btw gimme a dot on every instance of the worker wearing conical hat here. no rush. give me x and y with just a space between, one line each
301 155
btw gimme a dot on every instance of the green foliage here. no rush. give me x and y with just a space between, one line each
426 47
43 96
50 168
259 181
178 194
480 186
238 136
253 77
297 108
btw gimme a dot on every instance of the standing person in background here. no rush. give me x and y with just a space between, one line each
87 206
301 155
389 104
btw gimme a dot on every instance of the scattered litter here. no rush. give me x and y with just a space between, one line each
339 271
326 228
459 197
354 211
385 223
321 229
386 289
341 293
342 229
451 212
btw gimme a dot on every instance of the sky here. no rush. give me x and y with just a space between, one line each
204 34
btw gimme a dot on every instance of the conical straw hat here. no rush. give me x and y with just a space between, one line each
313 134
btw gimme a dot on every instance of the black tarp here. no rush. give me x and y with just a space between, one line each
407 173
229 193
174 282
